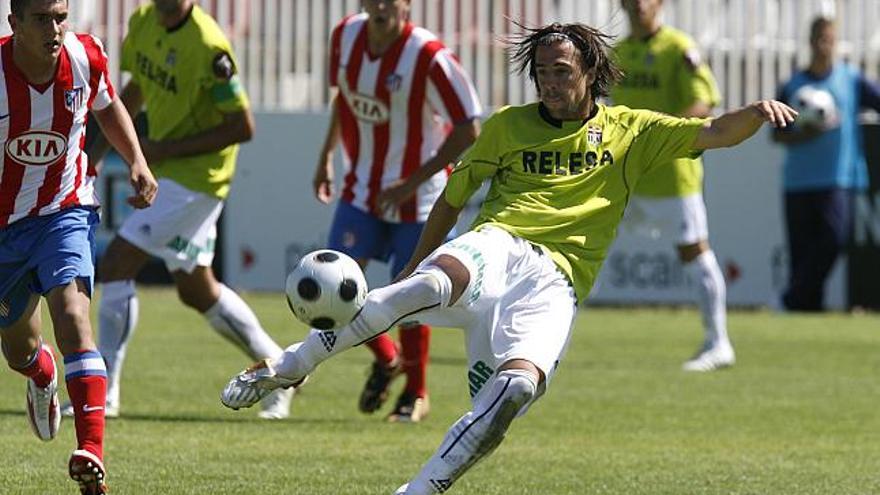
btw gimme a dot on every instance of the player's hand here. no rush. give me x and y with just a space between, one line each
144 185
395 194
777 113
323 181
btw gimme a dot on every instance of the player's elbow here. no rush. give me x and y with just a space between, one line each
248 129
238 127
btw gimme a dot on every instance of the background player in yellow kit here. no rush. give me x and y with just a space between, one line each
663 71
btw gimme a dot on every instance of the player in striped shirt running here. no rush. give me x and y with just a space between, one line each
50 79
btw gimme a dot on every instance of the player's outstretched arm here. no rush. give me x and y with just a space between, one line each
735 127
236 127
441 220
119 130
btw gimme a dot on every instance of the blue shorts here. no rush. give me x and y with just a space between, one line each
362 235
38 254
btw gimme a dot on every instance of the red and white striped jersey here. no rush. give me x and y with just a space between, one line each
395 112
43 130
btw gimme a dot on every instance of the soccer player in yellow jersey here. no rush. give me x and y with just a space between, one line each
663 72
561 172
183 73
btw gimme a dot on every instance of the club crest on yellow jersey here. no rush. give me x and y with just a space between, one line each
594 135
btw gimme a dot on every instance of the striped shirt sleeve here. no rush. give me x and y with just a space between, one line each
102 92
450 91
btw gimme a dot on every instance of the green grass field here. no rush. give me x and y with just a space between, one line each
799 414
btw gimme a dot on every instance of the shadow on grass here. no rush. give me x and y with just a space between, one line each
186 418
192 418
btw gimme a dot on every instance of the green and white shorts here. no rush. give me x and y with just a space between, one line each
518 304
180 227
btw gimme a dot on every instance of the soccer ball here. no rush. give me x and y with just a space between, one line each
326 289
815 107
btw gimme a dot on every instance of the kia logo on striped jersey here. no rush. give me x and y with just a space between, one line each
37 147
369 109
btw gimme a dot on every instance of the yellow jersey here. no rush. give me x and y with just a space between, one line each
564 185
664 73
188 79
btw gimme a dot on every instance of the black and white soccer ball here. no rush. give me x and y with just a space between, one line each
816 107
326 289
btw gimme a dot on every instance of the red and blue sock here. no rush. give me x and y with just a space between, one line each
87 387
40 369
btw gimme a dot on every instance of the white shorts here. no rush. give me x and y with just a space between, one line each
682 220
180 227
518 305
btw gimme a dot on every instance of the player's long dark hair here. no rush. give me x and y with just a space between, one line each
592 44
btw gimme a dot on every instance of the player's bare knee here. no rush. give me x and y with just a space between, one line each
20 340
457 273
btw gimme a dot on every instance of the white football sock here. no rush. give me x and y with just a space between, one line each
704 270
117 319
384 308
477 433
232 318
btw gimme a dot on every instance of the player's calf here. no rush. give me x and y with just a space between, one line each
477 433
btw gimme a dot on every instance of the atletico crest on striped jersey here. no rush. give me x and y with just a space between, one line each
393 82
44 169
73 99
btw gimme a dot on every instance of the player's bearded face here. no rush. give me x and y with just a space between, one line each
41 30
562 85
